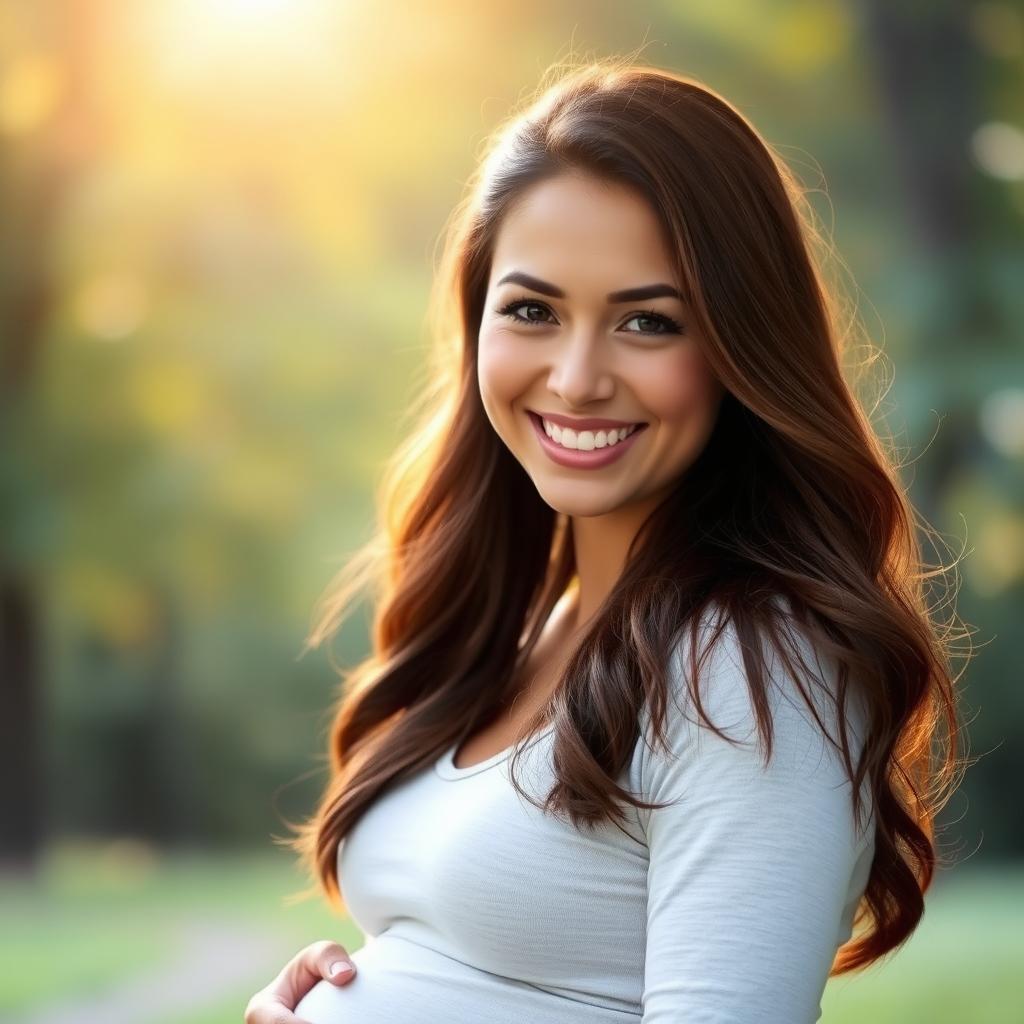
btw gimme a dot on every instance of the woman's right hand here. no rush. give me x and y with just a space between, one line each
274 1003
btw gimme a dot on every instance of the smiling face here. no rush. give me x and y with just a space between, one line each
579 355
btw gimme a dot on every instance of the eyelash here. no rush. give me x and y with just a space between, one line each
672 327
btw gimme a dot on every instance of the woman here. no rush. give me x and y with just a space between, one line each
645 544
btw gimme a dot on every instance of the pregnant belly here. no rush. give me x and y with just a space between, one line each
403 982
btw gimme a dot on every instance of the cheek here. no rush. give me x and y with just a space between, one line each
501 367
681 388
503 375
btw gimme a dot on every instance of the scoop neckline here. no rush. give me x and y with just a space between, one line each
445 765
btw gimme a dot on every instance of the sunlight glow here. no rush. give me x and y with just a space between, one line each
224 41
110 306
245 8
29 91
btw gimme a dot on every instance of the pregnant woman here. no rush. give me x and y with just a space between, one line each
645 733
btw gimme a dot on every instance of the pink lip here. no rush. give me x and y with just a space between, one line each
587 423
582 460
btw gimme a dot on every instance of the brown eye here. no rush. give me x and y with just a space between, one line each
666 324
511 311
663 324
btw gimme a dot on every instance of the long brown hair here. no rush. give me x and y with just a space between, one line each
794 497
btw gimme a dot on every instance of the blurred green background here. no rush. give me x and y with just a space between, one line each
219 224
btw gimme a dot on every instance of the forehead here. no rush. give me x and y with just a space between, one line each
575 229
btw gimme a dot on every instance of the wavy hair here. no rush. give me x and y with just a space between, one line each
795 496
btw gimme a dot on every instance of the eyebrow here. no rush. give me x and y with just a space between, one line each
650 291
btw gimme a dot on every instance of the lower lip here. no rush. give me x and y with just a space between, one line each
594 459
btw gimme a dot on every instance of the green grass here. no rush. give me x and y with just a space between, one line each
961 964
99 915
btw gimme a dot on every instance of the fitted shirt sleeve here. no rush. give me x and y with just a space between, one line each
750 866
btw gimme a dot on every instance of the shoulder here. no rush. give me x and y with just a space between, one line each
797 694
728 674
751 862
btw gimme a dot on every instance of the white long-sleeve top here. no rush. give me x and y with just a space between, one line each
726 907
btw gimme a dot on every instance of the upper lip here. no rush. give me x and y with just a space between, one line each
589 423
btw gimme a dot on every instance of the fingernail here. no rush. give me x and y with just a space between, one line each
340 967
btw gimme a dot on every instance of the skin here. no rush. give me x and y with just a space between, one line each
274 1003
583 357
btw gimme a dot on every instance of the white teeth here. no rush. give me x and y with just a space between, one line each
585 440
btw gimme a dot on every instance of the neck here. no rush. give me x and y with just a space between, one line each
600 544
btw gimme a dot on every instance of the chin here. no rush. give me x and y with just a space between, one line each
577 505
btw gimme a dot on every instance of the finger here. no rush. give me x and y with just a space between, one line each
334 963
315 962
340 971
267 1008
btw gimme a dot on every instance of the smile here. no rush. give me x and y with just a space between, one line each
585 440
585 449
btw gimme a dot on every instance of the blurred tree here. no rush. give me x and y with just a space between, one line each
932 79
929 78
51 131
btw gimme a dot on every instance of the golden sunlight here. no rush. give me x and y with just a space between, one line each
218 40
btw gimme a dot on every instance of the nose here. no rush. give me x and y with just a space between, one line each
578 375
